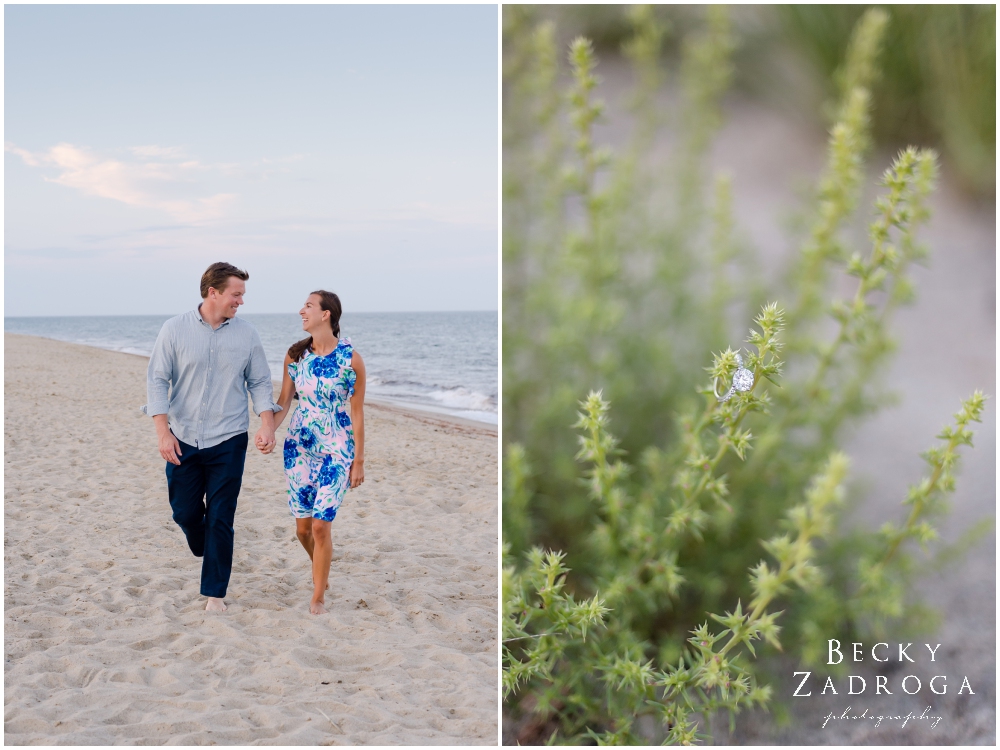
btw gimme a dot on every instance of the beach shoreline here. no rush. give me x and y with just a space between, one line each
106 637
438 418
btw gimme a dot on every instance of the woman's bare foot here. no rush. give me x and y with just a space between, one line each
215 605
317 608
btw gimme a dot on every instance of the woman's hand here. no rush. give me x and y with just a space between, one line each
357 472
264 440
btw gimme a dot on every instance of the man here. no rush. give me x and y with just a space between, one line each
211 359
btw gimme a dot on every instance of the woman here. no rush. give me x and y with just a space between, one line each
325 447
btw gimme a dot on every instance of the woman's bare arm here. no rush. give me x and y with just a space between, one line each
284 401
287 391
358 421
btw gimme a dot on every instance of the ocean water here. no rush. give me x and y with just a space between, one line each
442 362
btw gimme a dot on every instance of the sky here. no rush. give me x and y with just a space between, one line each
350 148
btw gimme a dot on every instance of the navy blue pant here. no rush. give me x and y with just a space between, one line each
203 492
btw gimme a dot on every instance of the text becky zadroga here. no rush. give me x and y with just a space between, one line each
880 652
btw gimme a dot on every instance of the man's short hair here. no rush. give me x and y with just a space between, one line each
217 276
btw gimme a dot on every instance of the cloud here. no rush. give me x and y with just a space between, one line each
165 185
27 156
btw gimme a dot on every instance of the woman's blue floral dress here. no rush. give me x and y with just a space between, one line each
319 448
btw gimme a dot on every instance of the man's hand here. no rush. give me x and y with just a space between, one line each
265 435
357 472
170 449
264 440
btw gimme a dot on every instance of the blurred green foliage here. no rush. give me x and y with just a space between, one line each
622 273
938 76
937 82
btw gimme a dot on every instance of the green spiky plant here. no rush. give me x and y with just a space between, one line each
618 275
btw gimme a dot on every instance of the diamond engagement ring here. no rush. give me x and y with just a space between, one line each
742 381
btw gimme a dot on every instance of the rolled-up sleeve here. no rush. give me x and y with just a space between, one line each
258 377
159 374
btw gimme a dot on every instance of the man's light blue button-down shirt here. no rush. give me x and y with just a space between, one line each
199 378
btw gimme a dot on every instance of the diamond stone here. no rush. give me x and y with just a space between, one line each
743 380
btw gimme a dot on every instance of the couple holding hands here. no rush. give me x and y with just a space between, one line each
203 364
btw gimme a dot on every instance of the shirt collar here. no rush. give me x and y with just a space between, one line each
225 321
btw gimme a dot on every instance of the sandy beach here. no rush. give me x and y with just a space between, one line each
106 640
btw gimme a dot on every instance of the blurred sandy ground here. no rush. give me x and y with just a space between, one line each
946 351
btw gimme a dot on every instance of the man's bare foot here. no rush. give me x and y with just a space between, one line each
215 605
317 608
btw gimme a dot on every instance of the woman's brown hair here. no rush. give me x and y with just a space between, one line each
331 303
